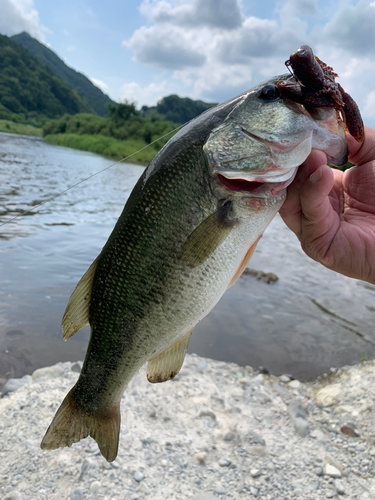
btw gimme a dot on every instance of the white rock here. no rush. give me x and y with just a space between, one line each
138 476
47 373
330 470
319 435
95 487
329 395
294 384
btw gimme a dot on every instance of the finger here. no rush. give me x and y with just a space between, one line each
360 153
291 209
320 221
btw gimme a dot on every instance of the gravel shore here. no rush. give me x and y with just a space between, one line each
216 431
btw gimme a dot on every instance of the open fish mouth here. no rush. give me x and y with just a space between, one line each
256 184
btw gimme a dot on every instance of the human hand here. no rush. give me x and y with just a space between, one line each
333 212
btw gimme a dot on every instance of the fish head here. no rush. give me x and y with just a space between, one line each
259 146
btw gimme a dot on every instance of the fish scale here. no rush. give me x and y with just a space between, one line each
186 233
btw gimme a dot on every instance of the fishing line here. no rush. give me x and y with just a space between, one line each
90 177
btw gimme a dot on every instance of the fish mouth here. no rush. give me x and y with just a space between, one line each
257 185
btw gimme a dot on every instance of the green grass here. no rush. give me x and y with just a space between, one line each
19 128
106 146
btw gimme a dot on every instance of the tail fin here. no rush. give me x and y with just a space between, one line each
71 424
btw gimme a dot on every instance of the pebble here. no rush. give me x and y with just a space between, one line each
138 476
76 367
13 384
349 430
319 435
229 436
339 487
295 384
224 462
298 416
201 457
202 365
95 487
331 494
220 490
318 471
330 470
330 395
76 494
14 495
248 450
47 373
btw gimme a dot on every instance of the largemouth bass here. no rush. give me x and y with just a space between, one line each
185 235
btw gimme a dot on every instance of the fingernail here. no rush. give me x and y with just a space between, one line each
316 176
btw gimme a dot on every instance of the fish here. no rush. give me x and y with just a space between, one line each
185 235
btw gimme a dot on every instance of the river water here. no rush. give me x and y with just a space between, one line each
310 320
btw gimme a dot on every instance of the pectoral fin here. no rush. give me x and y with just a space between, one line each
166 366
76 315
203 241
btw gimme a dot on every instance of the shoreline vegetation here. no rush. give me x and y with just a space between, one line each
122 134
106 146
11 127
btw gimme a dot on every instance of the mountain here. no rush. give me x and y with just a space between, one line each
177 109
84 87
27 87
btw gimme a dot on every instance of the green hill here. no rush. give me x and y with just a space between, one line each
177 109
30 89
84 87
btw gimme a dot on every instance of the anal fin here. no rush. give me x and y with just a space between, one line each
166 366
76 314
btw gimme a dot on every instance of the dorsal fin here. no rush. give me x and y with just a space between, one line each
76 314
166 366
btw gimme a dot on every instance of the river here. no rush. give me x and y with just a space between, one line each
310 320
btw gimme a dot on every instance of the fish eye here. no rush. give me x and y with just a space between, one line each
269 92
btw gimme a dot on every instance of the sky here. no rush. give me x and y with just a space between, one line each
142 50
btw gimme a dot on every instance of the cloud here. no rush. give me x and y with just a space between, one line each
103 86
257 38
352 28
169 48
211 49
71 48
20 15
224 14
148 95
369 108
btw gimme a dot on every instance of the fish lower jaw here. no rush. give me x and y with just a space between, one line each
257 186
